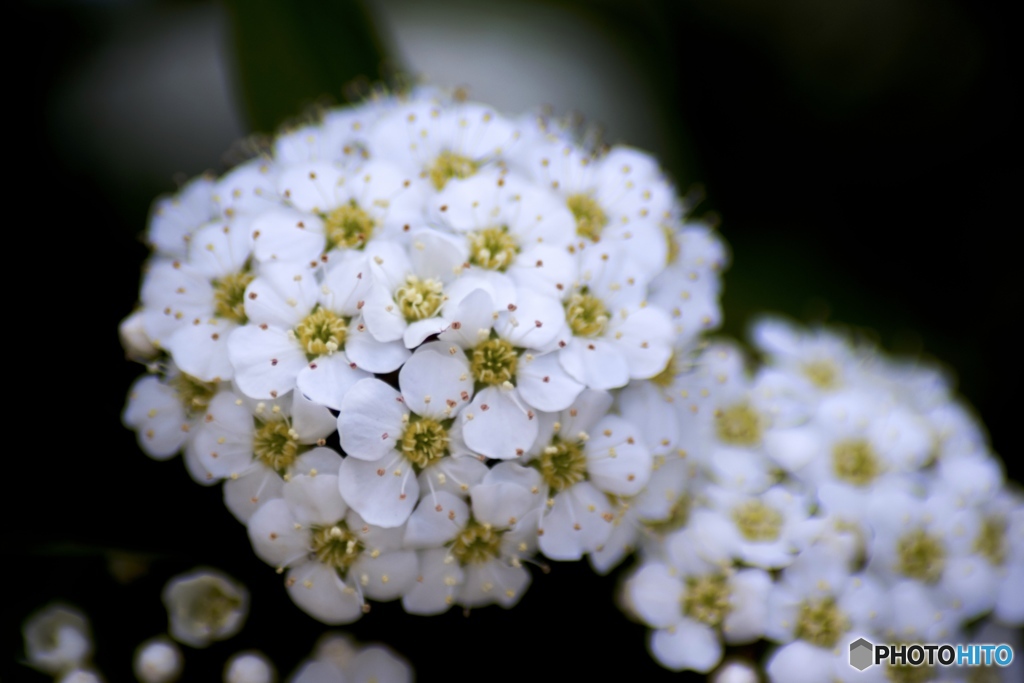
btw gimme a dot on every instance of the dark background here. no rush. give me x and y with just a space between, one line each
864 159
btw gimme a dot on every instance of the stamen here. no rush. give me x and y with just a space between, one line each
229 296
492 248
336 545
322 332
348 226
586 314
493 362
449 165
562 464
424 441
739 425
590 217
854 461
757 521
477 543
419 299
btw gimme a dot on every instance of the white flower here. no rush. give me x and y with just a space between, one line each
511 232
174 219
610 334
408 295
337 209
392 438
765 530
692 612
256 446
583 454
930 543
690 285
474 559
618 199
334 558
513 377
307 335
820 360
337 658
436 141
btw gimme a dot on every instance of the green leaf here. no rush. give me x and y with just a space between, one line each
291 54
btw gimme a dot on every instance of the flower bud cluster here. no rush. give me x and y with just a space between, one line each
835 494
419 342
58 642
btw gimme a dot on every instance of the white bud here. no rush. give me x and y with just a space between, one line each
249 667
80 676
158 660
735 671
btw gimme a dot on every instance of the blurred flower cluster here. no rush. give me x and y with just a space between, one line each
202 606
833 495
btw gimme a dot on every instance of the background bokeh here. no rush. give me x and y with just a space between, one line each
863 157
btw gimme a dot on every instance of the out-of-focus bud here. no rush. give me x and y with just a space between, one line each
204 606
249 667
158 660
57 639
137 346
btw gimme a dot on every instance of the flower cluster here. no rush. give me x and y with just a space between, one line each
419 342
835 494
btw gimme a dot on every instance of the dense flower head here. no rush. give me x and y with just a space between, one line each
411 339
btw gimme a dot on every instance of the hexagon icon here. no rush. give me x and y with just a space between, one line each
861 654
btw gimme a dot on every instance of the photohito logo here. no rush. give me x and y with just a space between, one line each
864 654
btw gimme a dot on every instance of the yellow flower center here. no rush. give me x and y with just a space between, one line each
706 599
229 296
336 546
423 441
492 248
820 622
194 394
562 464
757 521
276 445
739 425
922 556
822 374
477 543
854 461
991 540
493 362
419 299
590 217
449 165
322 332
348 226
586 314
